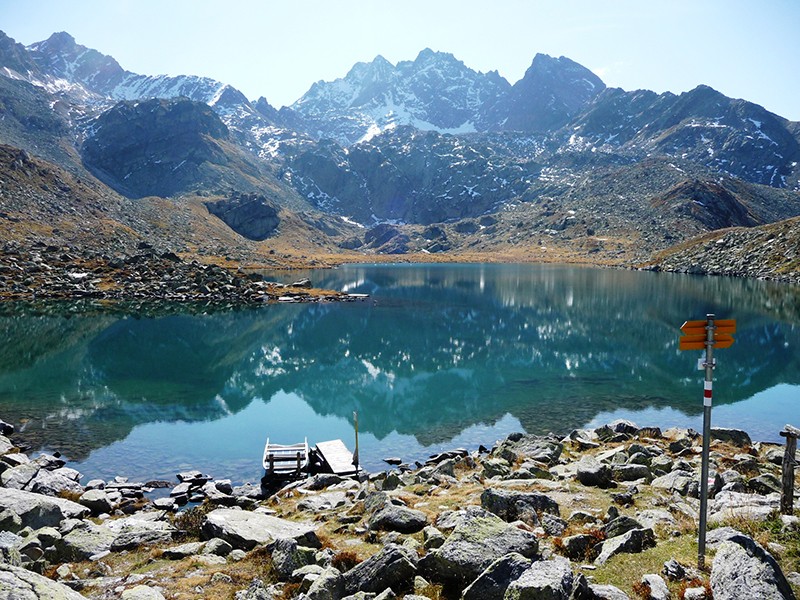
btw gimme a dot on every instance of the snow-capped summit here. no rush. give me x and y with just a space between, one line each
435 91
60 57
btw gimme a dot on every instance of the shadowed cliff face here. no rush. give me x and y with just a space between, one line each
155 147
442 349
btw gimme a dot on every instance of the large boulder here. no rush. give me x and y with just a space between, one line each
547 579
246 530
17 583
493 582
393 566
521 446
742 568
36 510
511 505
474 545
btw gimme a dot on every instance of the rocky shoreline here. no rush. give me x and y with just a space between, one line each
55 273
608 513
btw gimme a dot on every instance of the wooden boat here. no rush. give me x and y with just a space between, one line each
285 462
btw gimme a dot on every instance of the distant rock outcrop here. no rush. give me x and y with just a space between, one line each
250 215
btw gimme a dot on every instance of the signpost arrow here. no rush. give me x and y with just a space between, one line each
708 335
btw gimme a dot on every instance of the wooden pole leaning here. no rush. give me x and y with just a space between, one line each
789 462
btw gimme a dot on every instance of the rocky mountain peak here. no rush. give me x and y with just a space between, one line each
15 57
367 72
428 56
551 92
61 56
60 42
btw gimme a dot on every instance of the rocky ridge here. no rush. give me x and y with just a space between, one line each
765 252
603 513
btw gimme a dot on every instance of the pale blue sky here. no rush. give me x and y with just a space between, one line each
744 48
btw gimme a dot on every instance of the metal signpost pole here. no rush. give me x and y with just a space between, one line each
698 335
707 393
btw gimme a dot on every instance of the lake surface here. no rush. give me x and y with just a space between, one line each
440 356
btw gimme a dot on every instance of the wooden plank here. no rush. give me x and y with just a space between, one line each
337 457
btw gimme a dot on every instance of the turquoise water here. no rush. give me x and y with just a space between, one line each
440 356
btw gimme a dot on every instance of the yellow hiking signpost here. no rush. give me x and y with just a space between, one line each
706 335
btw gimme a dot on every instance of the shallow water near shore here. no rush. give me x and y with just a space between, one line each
439 356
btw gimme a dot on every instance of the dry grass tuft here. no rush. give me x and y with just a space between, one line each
190 522
345 560
694 583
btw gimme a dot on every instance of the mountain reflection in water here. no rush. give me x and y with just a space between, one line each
439 355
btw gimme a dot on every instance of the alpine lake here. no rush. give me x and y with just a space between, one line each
437 357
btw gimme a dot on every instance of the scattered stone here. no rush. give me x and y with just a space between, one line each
288 556
658 587
737 437
493 582
676 481
592 472
655 517
607 592
621 525
732 505
511 505
142 592
182 551
97 501
580 547
432 538
632 542
673 570
393 566
328 585
398 518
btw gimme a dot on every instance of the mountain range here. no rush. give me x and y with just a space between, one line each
425 156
